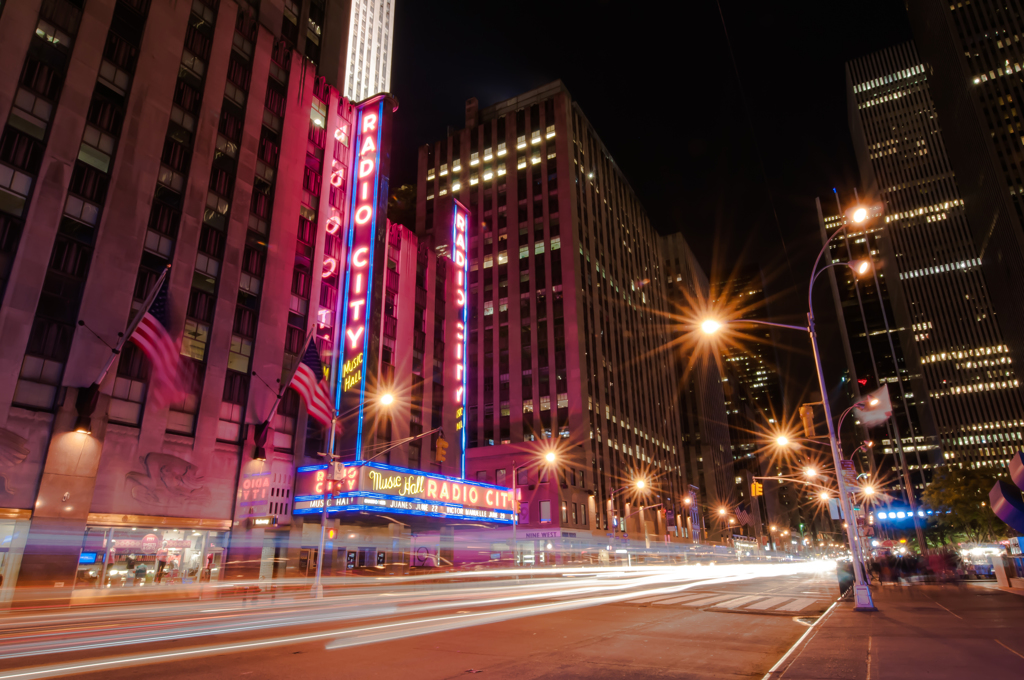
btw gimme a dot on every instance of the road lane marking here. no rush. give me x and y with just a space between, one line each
732 604
677 600
796 605
770 602
709 600
1008 649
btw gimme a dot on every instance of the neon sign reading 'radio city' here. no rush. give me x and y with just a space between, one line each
460 247
374 486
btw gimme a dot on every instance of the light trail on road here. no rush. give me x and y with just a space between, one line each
587 588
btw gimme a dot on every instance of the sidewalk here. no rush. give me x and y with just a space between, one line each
924 631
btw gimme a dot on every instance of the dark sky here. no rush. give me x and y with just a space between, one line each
735 164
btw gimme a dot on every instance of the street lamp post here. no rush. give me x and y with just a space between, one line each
549 457
862 593
318 588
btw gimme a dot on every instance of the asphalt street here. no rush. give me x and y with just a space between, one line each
703 628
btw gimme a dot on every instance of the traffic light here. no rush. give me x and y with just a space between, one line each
756 489
519 507
440 450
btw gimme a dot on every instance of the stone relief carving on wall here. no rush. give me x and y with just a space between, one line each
166 480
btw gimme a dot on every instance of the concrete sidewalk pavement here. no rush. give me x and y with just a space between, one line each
928 631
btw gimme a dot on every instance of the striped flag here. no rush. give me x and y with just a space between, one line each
314 391
168 383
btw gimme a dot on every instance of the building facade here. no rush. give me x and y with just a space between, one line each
951 334
568 342
198 141
973 59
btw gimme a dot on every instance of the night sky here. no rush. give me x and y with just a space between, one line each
733 163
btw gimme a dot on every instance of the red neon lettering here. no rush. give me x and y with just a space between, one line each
431 488
337 178
460 259
359 257
354 338
458 352
473 495
460 242
460 222
489 497
368 146
460 297
459 276
358 284
458 372
365 189
444 491
369 122
458 395
365 167
355 305
330 265
363 214
333 225
456 492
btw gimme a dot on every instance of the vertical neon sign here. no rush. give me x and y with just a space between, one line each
460 248
369 181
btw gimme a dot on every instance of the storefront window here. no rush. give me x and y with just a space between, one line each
123 557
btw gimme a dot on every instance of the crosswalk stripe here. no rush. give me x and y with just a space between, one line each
770 602
677 600
732 604
796 605
709 600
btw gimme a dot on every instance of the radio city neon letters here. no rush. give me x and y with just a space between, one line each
460 248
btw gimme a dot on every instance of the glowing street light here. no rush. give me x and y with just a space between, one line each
710 326
550 456
640 484
721 511
861 267
859 215
810 472
869 491
387 399
782 440
824 495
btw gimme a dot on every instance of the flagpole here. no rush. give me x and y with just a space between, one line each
143 310
286 383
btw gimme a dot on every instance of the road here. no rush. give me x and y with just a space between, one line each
676 622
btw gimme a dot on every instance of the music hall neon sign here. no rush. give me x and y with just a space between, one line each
460 250
386 488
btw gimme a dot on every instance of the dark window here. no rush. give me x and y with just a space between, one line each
236 387
120 52
41 79
49 339
164 219
187 97
230 125
197 43
211 242
88 182
253 261
175 155
21 150
106 115
245 322
200 305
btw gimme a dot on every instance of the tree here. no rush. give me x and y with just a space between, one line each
402 206
959 498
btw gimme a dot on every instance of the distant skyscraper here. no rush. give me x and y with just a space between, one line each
973 54
940 304
367 50
568 339
707 448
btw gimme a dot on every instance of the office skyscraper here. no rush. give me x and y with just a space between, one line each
568 342
973 56
933 272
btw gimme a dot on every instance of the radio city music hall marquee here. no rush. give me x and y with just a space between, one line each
368 486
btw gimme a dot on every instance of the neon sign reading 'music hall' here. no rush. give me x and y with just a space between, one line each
369 189
460 242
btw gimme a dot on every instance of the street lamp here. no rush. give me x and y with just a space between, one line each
862 593
550 457
385 399
810 472
782 440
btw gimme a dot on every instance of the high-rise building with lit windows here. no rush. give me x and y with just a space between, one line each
206 137
949 331
568 339
973 55
360 44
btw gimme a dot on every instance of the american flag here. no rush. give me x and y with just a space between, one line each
168 383
314 391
